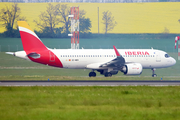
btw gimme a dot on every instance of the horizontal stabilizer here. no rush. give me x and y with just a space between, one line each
10 53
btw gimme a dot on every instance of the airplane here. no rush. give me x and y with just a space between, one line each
107 62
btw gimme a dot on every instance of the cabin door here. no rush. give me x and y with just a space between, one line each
158 57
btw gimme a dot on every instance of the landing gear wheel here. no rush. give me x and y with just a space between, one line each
101 72
154 75
108 74
92 74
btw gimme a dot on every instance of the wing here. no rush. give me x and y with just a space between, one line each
117 62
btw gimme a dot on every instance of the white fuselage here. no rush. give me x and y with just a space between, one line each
81 58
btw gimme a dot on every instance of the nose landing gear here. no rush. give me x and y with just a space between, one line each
153 72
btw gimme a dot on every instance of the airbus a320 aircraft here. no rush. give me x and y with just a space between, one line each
106 61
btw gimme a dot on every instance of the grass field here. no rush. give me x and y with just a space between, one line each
89 103
79 103
130 17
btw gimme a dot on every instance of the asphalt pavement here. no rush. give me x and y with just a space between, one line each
89 83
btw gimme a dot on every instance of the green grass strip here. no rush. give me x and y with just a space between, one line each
87 103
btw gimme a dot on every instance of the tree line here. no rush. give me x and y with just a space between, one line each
53 22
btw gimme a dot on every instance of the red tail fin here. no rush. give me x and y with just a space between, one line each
35 49
30 40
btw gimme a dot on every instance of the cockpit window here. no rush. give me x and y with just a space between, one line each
166 55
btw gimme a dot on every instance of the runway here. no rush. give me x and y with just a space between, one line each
89 83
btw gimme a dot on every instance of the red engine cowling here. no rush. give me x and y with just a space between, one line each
132 69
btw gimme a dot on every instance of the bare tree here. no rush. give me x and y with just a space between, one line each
49 19
9 15
84 23
108 21
64 11
54 15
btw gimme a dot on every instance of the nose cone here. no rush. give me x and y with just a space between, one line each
173 61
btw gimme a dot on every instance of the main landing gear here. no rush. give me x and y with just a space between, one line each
107 74
92 74
153 72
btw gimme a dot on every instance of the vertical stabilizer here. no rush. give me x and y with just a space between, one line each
34 49
30 40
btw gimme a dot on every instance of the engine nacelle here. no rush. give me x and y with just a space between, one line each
132 69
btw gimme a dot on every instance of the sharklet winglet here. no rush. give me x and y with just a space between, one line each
116 51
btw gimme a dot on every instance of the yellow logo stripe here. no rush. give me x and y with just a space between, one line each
24 24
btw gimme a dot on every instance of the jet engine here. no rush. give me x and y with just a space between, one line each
132 69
